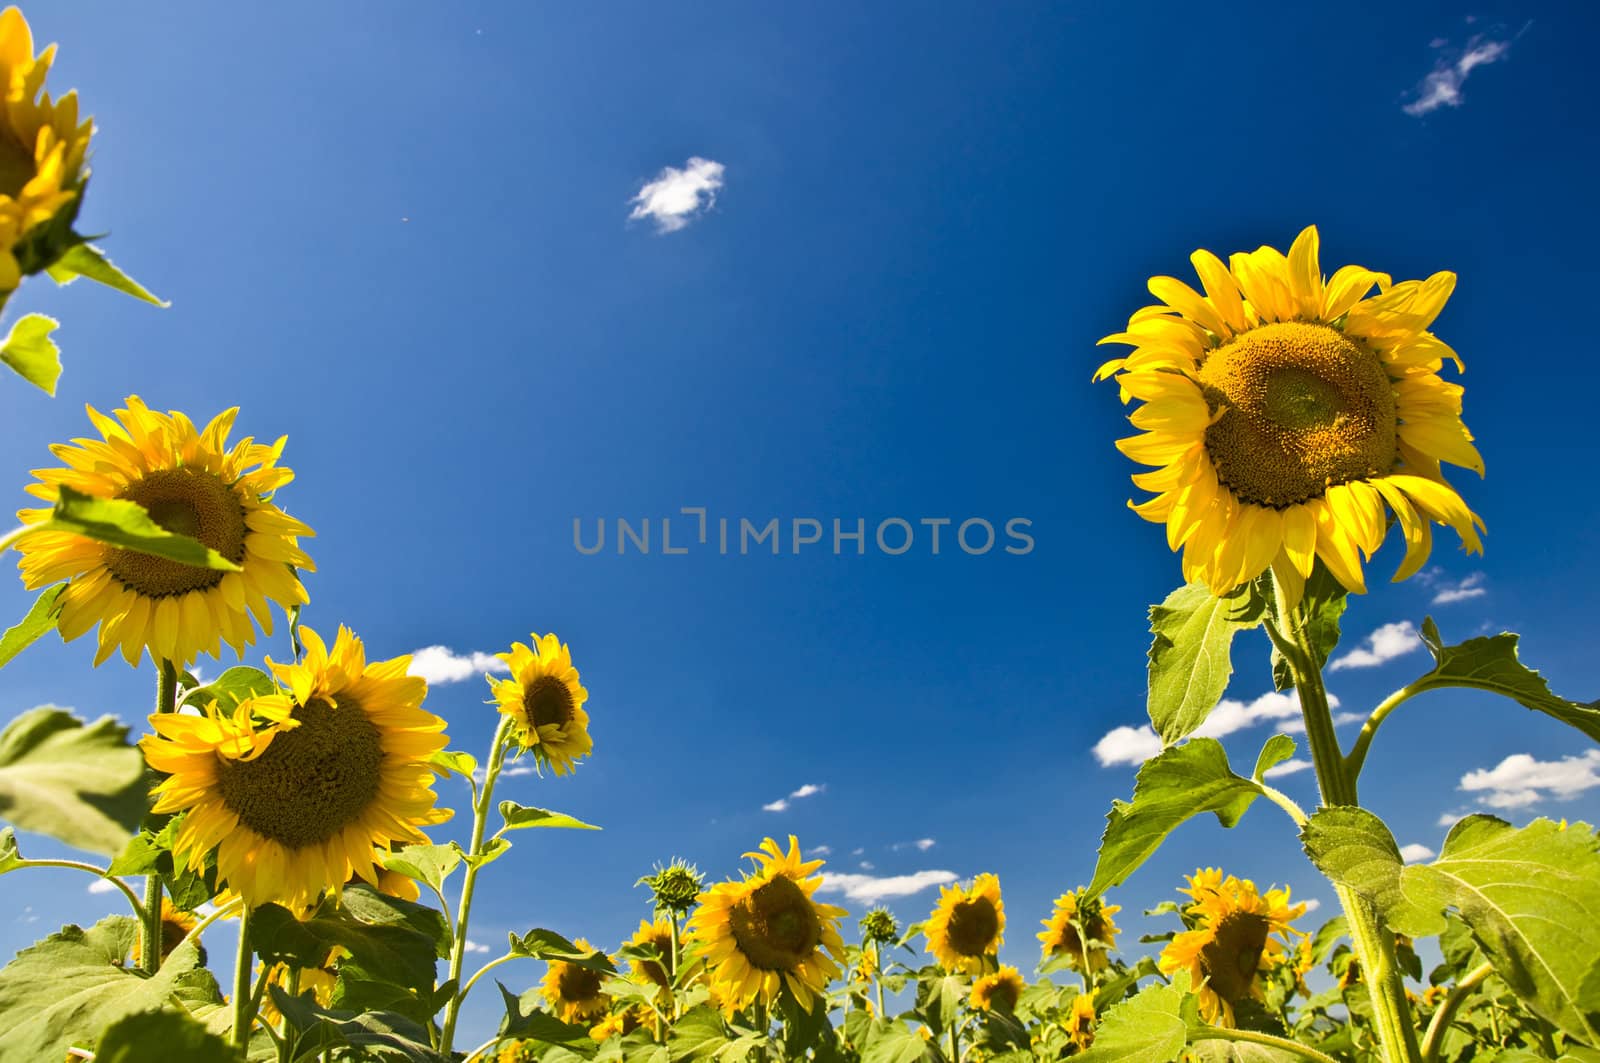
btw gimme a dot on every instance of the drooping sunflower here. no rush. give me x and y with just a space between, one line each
1080 1021
191 481
43 143
297 791
999 991
1283 413
1236 935
967 925
765 931
573 991
544 701
175 926
1061 937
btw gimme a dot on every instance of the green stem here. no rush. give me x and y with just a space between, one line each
243 1012
877 976
1358 751
1374 942
479 973
955 1041
150 954
672 969
100 872
477 1053
1433 1040
480 821
1218 1033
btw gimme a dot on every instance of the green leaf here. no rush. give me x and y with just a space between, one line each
493 849
697 1035
80 784
518 817
320 1028
120 523
73 984
893 1042
1191 656
453 761
86 260
1218 1051
231 687
41 618
1531 896
1279 748
161 1037
425 863
545 944
525 1019
10 855
1148 1027
32 353
1323 605
1490 663
1178 783
403 953
376 908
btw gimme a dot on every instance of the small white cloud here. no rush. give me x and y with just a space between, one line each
1442 86
1465 589
1413 854
868 865
775 806
1135 745
476 946
810 789
676 197
1288 767
1520 780
1127 745
1450 819
857 851
822 850
440 664
924 844
102 885
1311 903
1385 644
869 889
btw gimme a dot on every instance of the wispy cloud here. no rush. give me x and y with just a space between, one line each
476 946
868 865
1288 767
1415 854
102 885
1519 780
1127 745
676 197
1442 86
1134 745
441 664
1385 644
810 789
922 845
1311 903
822 850
1464 589
869 889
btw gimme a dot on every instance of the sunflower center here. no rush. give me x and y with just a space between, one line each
17 165
548 701
973 926
1233 955
775 926
189 502
577 983
312 781
1304 408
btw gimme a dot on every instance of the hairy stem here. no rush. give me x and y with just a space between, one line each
150 949
127 890
1433 1040
243 1010
1358 751
1218 1033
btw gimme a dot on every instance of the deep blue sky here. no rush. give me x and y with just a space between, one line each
929 216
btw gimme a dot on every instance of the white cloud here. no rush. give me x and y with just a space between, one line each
858 850
869 889
1520 780
775 806
1463 590
810 789
476 946
1385 644
1127 745
1442 86
677 196
921 845
1288 767
440 664
1450 819
1311 903
102 885
1414 853
868 865
822 850
1135 745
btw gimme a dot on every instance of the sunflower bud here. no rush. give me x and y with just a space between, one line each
675 886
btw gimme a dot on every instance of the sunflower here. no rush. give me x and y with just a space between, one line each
765 932
544 701
1231 942
967 925
42 146
175 926
520 1051
1080 1021
572 991
191 482
1061 931
1283 413
296 791
319 981
618 1024
999 991
656 935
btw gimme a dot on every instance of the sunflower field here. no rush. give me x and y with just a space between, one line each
1289 421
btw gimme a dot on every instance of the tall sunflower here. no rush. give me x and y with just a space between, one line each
297 791
765 931
573 991
544 701
967 925
1061 934
1236 934
1283 413
999 991
191 481
43 143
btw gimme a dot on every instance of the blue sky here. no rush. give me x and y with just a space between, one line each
401 235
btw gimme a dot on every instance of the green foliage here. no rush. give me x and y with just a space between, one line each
1279 748
542 944
30 351
453 762
231 687
1149 1027
431 864
524 1019
82 784
125 524
1322 606
1190 654
150 852
42 617
519 817
161 1037
379 932
315 1029
1491 663
85 260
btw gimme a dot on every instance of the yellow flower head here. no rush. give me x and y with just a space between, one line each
619 1024
967 925
191 481
297 791
319 980
764 932
544 701
43 143
999 991
573 991
1284 412
656 935
175 926
1080 1021
1074 919
1232 942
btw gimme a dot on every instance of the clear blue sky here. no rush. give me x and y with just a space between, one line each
927 218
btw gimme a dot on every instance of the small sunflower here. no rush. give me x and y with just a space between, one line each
1080 1021
1283 413
192 482
43 144
319 980
520 1051
544 700
297 791
967 925
572 991
1061 931
618 1024
765 932
656 935
175 926
1231 943
999 991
